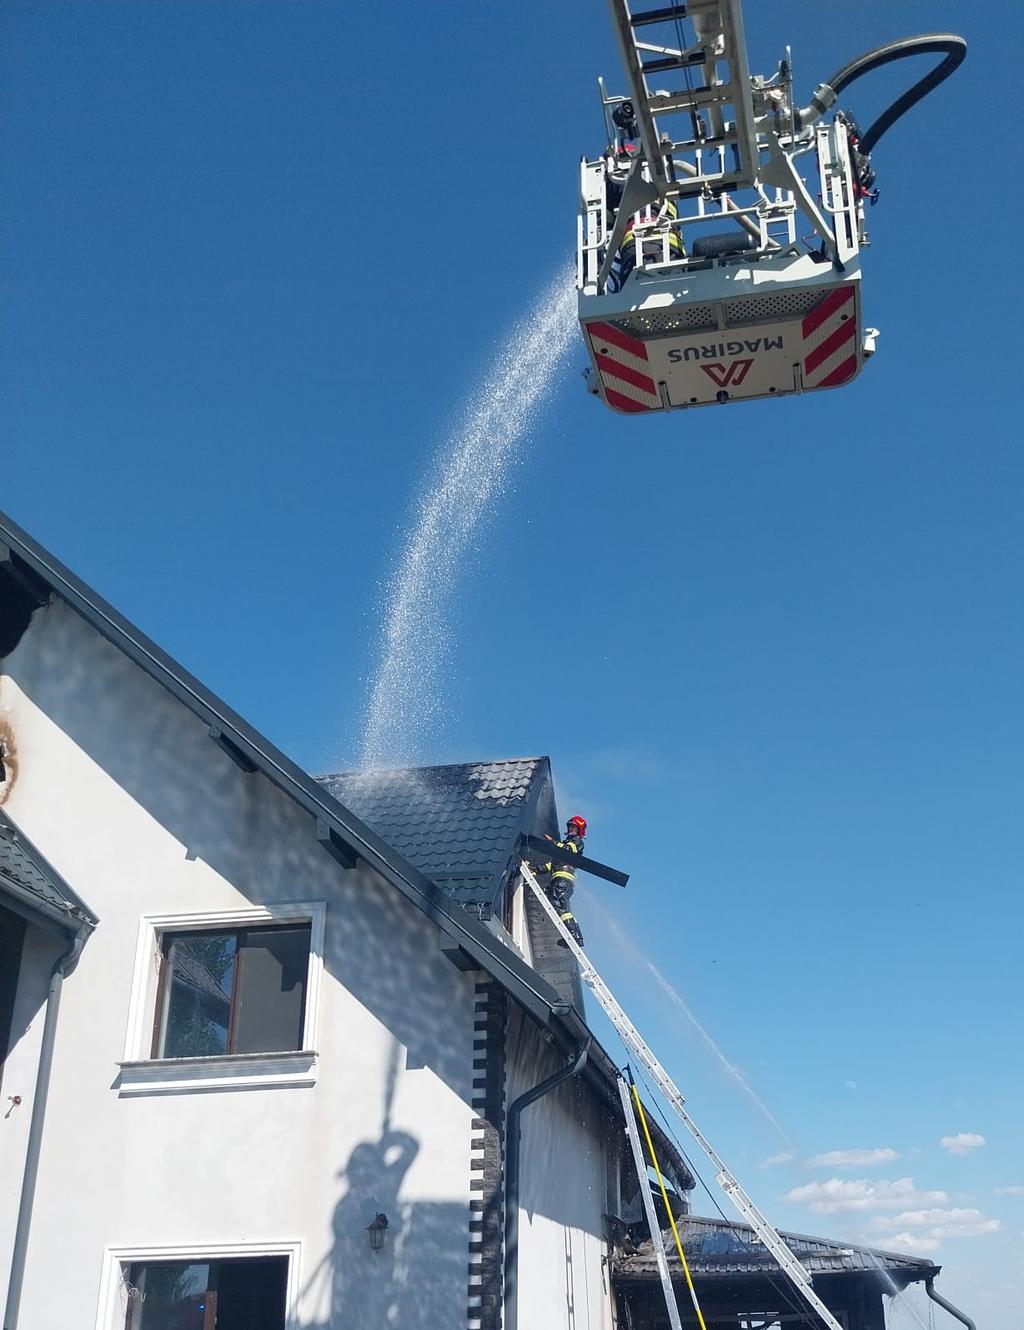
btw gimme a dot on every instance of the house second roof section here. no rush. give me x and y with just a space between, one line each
457 823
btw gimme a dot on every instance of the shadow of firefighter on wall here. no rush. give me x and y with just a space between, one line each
417 1278
353 1281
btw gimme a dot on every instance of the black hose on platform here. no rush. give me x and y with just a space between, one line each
948 44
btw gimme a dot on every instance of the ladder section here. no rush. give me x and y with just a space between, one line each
645 1195
690 85
638 1046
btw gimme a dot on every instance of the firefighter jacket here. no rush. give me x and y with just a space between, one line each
574 844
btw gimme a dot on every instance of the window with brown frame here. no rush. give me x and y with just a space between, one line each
247 1293
232 990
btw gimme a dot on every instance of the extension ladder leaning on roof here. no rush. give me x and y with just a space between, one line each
637 1045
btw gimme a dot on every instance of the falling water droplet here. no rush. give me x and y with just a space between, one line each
407 707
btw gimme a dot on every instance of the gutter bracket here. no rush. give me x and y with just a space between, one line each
228 746
334 845
461 959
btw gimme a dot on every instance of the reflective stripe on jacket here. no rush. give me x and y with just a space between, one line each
574 844
645 217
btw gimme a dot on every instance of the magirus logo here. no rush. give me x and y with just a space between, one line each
728 376
717 350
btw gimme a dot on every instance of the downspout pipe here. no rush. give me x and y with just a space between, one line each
63 966
512 1174
962 1317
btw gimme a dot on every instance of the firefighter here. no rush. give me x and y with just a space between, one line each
562 877
651 242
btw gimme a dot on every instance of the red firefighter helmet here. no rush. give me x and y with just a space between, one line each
577 824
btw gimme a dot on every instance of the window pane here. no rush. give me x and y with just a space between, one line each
251 1293
197 995
244 1293
168 1295
270 998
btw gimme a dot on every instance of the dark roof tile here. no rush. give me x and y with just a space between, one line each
26 875
456 823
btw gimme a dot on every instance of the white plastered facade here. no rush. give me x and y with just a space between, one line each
123 791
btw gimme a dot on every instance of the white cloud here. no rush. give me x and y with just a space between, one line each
839 1194
908 1242
851 1085
773 1161
937 1223
853 1158
1014 1190
962 1143
958 1222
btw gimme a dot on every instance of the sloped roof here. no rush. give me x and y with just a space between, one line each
719 1248
33 884
456 823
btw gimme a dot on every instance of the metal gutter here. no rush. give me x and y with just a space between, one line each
523 983
63 966
947 1305
35 909
512 1173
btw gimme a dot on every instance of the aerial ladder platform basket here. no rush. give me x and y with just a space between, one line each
721 230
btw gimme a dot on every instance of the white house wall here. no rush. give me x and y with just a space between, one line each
563 1284
41 949
125 794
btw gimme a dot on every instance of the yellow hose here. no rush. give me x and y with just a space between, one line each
664 1196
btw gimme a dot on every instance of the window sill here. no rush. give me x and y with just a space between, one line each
237 1071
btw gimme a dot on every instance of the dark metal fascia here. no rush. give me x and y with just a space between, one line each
585 865
23 575
528 988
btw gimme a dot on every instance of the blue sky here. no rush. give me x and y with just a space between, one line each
253 255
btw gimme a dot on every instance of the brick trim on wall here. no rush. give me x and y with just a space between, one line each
486 1206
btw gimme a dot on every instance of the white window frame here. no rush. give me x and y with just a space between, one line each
112 1311
143 1074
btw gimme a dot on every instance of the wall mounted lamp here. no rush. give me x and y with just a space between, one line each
376 1229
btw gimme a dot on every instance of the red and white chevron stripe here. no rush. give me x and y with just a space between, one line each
624 368
830 340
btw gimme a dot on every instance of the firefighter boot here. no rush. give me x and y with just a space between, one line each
573 929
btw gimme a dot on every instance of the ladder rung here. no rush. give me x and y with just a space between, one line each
673 62
658 15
